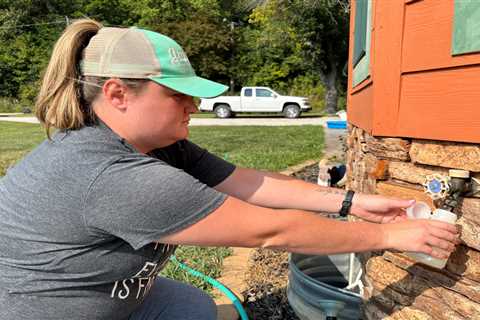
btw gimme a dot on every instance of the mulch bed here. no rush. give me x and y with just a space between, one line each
266 296
267 277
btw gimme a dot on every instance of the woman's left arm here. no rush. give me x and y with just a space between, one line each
275 190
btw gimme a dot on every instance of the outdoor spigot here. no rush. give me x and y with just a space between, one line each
449 188
459 186
437 186
473 187
459 181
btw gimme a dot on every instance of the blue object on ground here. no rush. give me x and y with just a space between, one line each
337 124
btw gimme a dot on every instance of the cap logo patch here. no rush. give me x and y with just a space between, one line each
177 56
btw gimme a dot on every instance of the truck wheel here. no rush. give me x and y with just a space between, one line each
291 111
223 111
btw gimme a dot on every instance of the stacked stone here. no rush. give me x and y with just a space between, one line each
397 287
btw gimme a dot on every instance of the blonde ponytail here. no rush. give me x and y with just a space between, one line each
59 103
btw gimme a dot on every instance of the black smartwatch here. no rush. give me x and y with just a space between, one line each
346 204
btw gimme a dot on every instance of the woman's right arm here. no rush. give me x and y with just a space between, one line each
238 223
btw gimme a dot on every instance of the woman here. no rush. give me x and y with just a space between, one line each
89 218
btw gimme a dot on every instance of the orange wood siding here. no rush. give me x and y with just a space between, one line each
416 88
427 42
359 98
441 105
387 35
361 114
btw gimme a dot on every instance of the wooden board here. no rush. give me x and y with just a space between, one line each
441 105
427 38
360 97
360 109
387 56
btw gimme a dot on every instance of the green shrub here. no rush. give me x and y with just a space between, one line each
342 103
308 86
9 105
28 93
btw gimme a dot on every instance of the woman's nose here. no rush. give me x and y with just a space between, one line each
191 106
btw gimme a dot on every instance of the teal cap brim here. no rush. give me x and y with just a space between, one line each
193 86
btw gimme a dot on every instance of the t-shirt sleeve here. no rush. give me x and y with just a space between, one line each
142 199
206 166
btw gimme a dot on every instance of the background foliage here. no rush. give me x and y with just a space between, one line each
296 47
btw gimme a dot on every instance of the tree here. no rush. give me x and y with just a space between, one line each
286 44
289 39
28 30
323 28
268 51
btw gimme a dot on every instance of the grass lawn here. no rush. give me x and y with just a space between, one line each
17 139
268 148
261 147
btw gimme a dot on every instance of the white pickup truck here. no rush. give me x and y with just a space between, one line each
256 99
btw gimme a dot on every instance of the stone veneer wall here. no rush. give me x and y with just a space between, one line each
396 287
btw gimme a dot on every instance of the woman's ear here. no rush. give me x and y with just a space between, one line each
115 94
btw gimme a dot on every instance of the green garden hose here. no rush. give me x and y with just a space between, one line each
230 295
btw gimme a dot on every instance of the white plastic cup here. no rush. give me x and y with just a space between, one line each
445 216
421 210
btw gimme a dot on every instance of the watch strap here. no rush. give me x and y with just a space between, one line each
347 204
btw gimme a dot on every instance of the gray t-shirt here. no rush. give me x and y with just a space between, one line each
79 217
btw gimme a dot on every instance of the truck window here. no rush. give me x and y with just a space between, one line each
263 93
248 93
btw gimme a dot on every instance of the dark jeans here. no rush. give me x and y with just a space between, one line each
173 300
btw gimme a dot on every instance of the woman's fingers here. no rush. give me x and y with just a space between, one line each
447 235
441 244
439 253
401 204
434 252
445 226
434 238
441 240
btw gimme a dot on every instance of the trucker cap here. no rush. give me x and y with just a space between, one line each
141 54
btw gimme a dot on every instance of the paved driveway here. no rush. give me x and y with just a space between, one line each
223 122
18 119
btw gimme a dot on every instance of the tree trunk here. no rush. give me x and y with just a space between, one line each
329 79
331 95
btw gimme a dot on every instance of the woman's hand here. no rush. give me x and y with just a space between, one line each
435 238
379 209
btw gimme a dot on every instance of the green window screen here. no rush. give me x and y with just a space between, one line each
466 27
360 35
